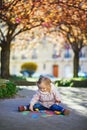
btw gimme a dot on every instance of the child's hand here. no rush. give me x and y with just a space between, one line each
31 108
58 101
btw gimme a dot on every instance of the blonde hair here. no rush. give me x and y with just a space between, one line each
46 81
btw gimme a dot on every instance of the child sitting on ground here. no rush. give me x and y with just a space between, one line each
46 98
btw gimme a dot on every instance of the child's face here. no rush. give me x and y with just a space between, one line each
44 87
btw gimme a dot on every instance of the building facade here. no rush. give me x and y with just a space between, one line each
50 60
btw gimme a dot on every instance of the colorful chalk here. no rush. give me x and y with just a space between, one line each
57 112
37 109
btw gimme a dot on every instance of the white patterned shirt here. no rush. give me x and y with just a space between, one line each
47 99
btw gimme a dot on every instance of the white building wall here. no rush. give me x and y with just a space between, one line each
45 62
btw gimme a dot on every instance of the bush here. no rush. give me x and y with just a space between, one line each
7 89
64 82
28 68
75 82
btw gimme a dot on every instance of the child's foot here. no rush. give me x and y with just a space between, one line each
66 112
21 108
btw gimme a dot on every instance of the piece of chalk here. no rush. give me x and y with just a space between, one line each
36 109
57 112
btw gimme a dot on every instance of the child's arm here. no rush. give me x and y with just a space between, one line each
56 94
34 100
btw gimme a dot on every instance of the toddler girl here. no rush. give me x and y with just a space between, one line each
46 98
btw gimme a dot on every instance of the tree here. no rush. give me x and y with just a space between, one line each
77 40
17 16
71 20
76 33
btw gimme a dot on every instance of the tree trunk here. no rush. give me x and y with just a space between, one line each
5 60
76 64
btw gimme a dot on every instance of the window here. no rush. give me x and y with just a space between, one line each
67 73
23 56
14 57
67 53
34 54
82 54
44 66
56 52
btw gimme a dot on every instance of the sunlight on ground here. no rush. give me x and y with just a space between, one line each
28 87
75 98
32 79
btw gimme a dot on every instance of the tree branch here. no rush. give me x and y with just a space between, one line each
2 34
69 5
13 3
25 29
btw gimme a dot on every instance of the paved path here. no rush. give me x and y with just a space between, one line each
74 99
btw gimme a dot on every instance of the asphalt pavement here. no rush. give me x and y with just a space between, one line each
74 99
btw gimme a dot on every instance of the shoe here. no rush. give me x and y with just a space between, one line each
66 112
21 108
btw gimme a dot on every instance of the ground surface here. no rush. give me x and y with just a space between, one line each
74 99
